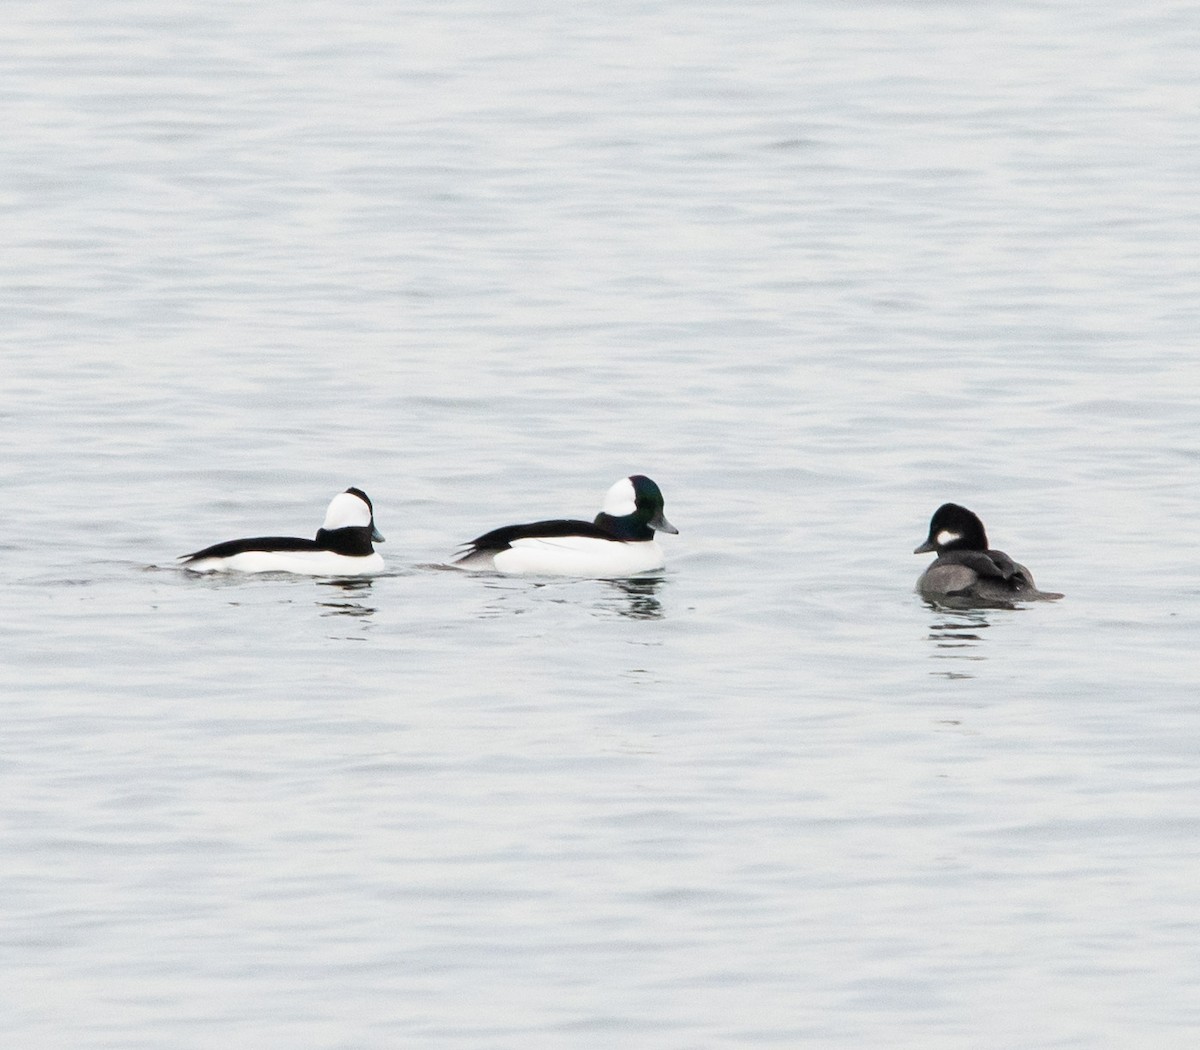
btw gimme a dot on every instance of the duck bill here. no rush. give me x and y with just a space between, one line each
928 547
376 535
660 524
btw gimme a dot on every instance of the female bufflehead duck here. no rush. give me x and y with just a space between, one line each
342 547
966 572
620 542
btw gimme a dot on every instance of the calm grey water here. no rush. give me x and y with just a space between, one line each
814 268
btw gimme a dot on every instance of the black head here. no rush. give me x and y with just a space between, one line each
634 505
350 524
954 528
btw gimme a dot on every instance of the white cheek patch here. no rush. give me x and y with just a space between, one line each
620 500
345 511
946 537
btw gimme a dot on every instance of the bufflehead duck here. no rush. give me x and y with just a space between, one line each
342 547
620 542
965 571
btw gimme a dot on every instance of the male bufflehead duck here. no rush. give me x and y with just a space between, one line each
965 571
342 547
620 542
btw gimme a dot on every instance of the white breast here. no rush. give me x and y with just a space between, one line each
578 556
306 563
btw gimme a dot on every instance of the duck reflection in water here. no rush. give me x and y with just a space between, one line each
637 597
634 597
957 636
352 605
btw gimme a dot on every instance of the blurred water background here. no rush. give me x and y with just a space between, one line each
815 268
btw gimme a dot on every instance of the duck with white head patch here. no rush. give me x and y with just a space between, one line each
966 573
619 542
343 546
